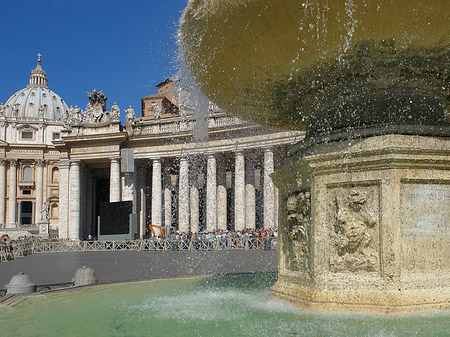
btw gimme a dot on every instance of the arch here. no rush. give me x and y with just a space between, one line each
55 175
54 210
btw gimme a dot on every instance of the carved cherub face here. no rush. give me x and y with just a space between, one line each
354 231
291 207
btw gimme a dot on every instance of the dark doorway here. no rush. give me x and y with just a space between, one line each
26 212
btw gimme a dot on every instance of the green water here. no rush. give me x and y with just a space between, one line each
231 305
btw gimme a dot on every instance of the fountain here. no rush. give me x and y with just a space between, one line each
365 197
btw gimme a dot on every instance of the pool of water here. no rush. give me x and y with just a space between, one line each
227 305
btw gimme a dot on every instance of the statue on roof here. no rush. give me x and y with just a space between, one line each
2 109
156 111
115 112
130 114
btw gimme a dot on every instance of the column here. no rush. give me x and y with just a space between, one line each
194 202
12 193
19 211
156 193
74 202
211 193
39 189
269 191
250 200
64 199
142 174
183 196
114 181
239 192
167 207
89 203
221 198
2 191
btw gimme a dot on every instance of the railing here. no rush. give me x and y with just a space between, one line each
20 249
15 249
156 245
176 126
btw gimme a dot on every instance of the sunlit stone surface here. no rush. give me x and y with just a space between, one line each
377 237
363 199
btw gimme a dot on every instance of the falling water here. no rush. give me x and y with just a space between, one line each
193 102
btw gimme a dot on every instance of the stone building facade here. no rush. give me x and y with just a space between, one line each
30 121
174 178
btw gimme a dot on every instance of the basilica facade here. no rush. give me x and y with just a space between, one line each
182 169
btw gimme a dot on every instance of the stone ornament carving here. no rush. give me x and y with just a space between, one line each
130 114
298 211
45 210
13 162
115 112
2 109
354 230
97 113
15 110
40 162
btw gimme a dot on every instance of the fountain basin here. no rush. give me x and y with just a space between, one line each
364 225
227 305
323 66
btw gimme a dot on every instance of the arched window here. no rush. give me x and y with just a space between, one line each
54 210
55 175
27 173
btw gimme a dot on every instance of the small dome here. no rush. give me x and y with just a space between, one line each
36 100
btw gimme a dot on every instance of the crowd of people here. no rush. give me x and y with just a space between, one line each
220 239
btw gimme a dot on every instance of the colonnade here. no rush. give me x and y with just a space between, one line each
216 195
10 205
186 188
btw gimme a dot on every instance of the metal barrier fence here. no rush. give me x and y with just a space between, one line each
16 249
156 245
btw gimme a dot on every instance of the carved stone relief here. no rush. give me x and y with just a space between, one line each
354 229
297 231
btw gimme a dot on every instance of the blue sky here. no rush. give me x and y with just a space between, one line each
124 48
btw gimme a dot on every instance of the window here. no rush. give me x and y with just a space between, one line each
27 173
26 135
56 135
26 192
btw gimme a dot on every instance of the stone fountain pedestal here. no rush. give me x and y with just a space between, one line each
365 225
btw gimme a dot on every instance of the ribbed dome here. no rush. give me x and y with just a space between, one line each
36 100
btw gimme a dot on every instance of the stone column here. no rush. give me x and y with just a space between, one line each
239 192
89 203
156 193
12 193
19 211
142 174
2 191
64 199
114 181
39 189
194 202
250 198
167 208
74 202
211 193
269 191
183 196
221 198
